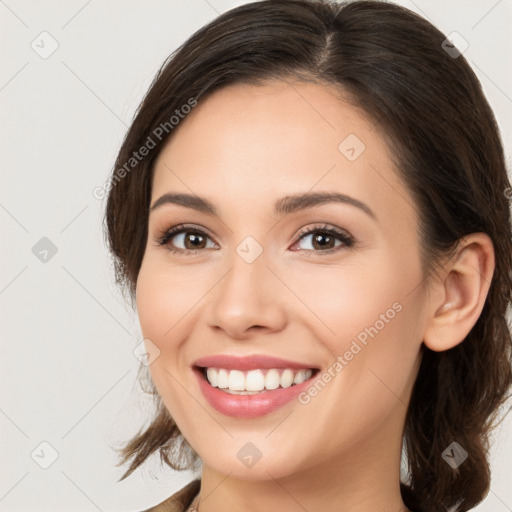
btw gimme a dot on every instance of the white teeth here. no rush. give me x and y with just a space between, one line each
286 378
223 380
213 377
272 379
255 381
236 380
301 376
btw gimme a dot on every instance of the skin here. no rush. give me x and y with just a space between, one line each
243 148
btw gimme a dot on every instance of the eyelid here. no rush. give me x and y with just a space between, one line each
324 227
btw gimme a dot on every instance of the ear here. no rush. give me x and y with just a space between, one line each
461 293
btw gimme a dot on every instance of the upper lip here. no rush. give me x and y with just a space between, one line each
252 362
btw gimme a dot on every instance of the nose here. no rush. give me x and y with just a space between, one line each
248 300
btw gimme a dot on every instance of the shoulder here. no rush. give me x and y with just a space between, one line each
179 501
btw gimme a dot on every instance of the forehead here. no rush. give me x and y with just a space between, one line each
252 143
268 121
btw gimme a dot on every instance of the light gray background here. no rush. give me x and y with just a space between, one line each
67 367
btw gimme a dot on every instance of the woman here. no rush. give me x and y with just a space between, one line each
311 211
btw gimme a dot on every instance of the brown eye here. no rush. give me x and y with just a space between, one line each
194 240
182 239
324 239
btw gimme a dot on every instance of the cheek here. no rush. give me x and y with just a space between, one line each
161 308
152 305
164 296
371 322
369 381
349 297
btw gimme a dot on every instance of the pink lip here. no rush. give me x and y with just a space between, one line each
248 362
248 406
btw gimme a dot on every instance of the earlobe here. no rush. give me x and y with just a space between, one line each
462 293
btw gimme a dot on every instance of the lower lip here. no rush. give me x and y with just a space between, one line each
248 406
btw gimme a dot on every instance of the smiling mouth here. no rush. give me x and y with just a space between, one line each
256 381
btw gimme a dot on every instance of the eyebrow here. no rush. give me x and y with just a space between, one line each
284 206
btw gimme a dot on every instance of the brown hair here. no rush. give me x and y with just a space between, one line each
430 107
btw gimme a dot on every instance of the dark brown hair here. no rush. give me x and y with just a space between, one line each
429 106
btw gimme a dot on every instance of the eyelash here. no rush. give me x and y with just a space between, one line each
347 240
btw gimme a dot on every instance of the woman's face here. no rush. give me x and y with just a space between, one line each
331 288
